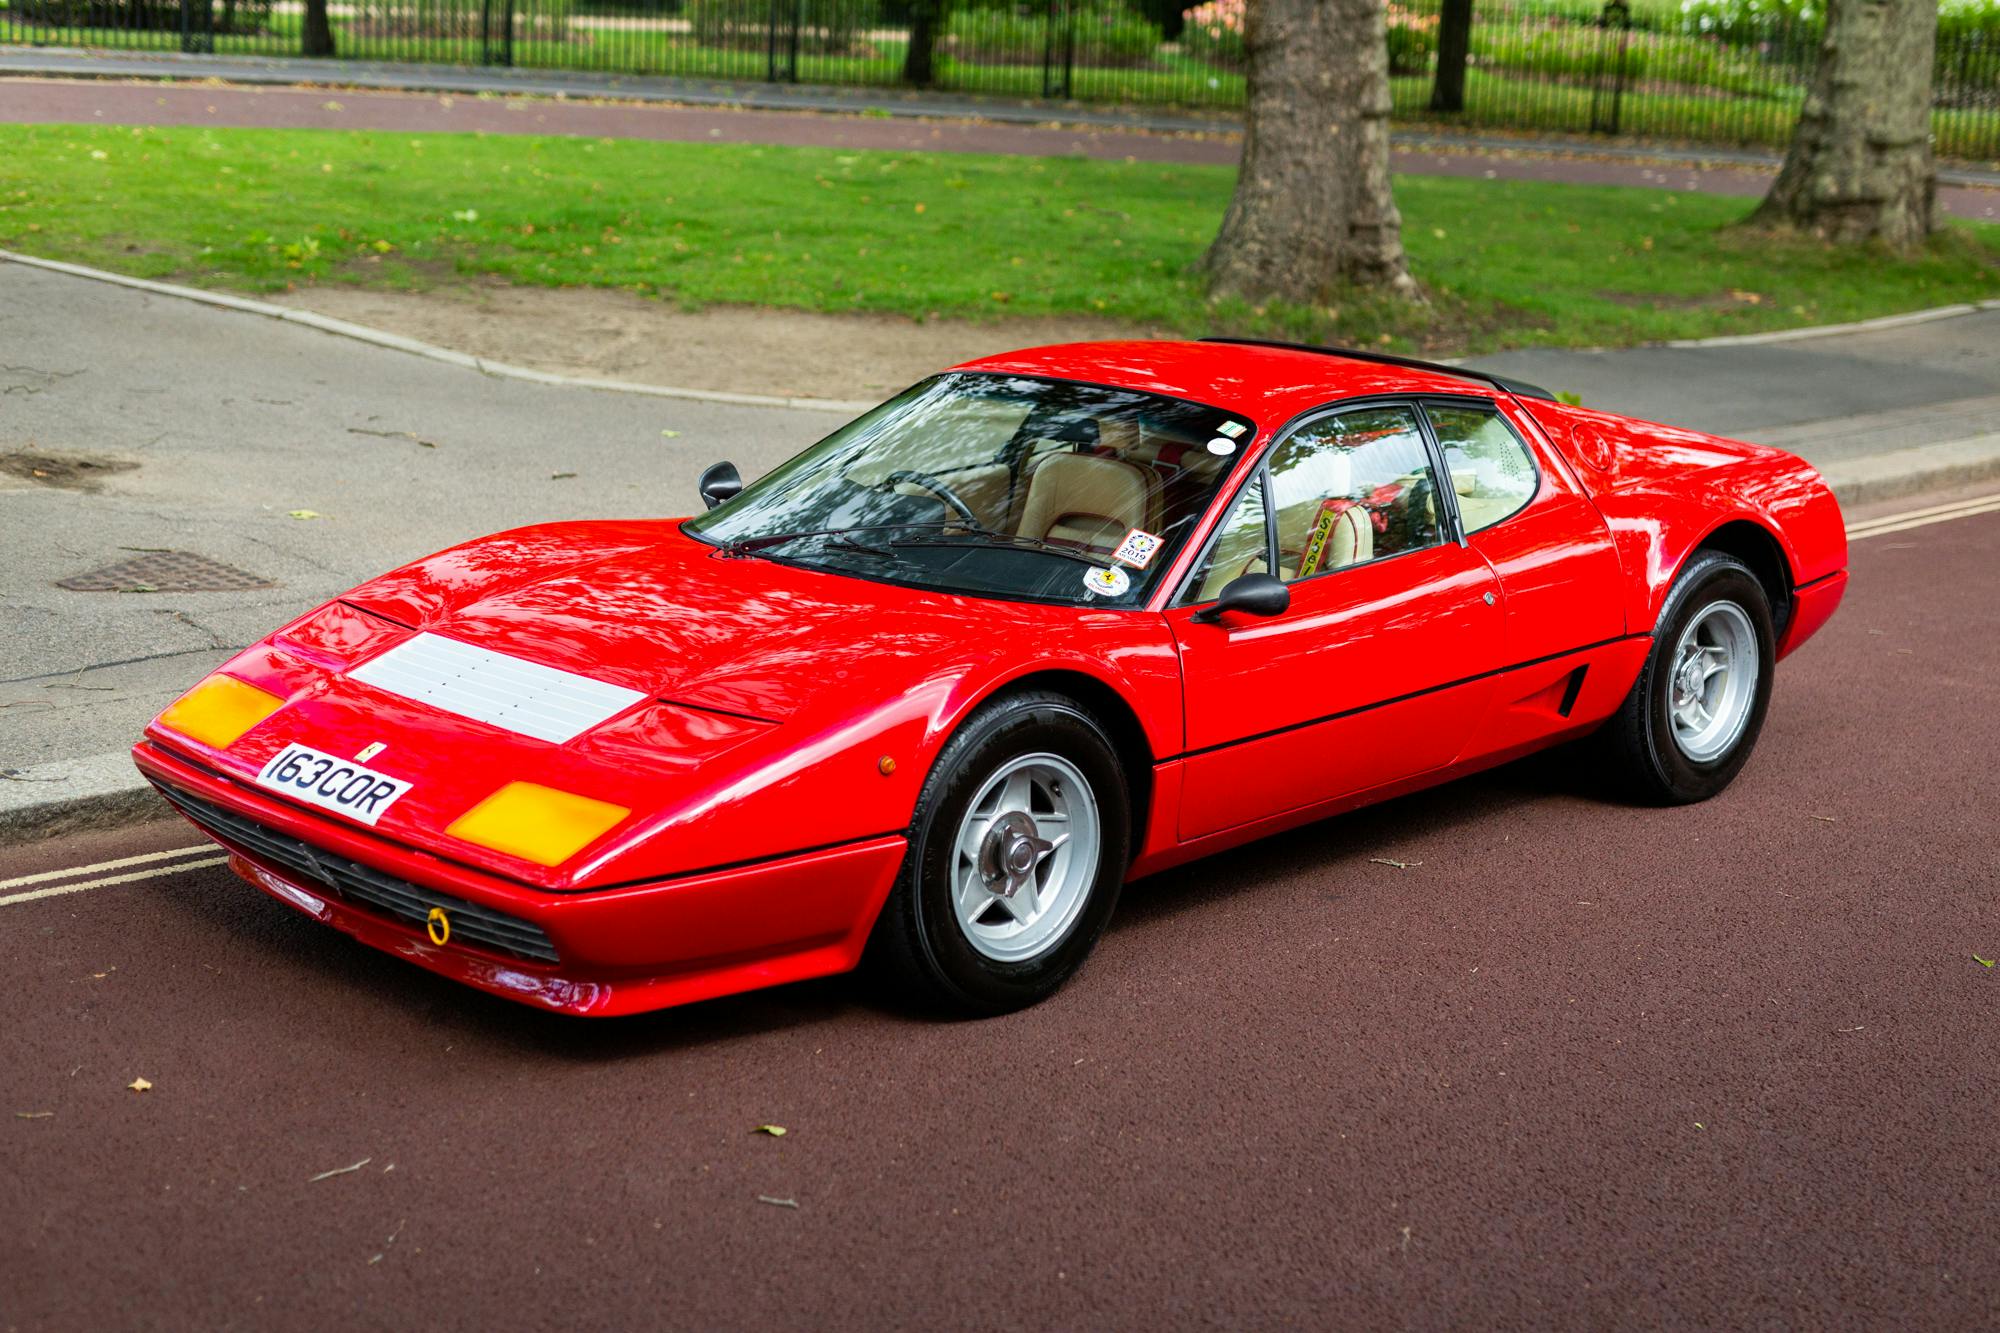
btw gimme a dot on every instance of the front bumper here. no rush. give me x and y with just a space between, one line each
598 952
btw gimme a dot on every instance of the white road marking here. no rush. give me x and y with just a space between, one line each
107 882
123 861
1917 518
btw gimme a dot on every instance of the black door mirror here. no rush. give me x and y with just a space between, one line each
720 484
1251 595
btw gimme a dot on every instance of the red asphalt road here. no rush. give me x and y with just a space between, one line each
39 101
1580 1065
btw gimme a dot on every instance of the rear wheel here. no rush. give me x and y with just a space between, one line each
1692 718
1016 855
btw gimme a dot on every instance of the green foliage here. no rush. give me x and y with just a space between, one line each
1411 47
955 235
546 20
826 27
224 16
1106 35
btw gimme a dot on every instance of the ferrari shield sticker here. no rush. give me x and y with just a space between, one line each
1137 550
1111 582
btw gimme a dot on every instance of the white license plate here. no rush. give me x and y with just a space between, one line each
331 783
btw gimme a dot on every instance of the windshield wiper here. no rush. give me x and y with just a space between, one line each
987 537
750 545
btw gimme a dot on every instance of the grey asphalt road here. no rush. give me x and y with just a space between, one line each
227 425
1578 1065
1922 382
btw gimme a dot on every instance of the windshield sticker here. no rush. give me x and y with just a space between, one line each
1232 429
1221 447
1137 550
1113 582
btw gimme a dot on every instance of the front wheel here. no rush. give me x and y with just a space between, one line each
1016 855
1692 718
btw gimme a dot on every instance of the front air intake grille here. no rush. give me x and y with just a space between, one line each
363 884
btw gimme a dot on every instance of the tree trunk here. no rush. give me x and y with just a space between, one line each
318 40
1860 165
1312 210
926 16
1454 45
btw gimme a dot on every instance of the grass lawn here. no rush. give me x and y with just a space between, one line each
951 235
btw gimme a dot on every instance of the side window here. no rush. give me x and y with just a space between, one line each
1352 488
1239 546
1491 470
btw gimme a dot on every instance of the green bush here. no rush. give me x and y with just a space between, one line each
1107 36
1412 41
826 27
547 20
227 16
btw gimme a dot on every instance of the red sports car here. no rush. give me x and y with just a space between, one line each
934 690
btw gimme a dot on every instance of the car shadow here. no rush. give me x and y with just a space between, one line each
320 957
1406 820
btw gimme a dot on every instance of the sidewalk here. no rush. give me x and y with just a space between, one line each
309 462
69 86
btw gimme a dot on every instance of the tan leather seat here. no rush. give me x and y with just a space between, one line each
1086 500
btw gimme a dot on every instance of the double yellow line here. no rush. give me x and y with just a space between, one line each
78 878
1917 518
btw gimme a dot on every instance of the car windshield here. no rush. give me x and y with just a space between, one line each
1006 486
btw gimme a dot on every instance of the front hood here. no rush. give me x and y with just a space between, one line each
756 708
655 611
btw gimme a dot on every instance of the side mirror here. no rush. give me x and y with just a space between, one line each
1252 595
720 484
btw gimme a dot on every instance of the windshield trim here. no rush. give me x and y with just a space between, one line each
1165 584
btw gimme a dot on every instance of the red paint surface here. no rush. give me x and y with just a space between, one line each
773 692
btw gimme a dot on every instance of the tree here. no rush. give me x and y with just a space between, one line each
1454 46
1860 166
1312 210
926 17
318 35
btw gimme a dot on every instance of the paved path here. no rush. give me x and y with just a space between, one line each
838 124
231 422
1580 1066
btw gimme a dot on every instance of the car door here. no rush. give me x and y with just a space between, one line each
1560 581
1378 669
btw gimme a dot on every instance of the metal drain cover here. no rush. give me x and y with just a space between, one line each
164 571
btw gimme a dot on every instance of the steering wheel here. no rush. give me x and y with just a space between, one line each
938 489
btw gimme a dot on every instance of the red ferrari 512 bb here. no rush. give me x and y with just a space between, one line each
937 688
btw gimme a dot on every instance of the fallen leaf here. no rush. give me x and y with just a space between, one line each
339 1171
775 1131
670 434
561 476
1983 962
1400 865
777 1203
303 513
33 1115
139 1085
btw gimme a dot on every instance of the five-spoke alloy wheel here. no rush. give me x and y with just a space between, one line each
1016 855
1692 718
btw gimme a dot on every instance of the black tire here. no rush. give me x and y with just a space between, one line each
919 947
1641 751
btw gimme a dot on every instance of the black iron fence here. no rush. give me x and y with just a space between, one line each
1707 71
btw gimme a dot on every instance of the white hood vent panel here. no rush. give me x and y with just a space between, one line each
524 697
